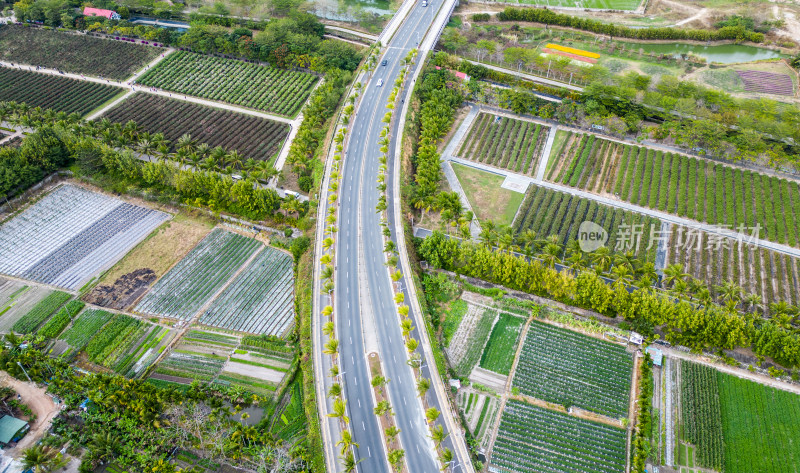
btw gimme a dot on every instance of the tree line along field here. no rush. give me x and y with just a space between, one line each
504 142
737 425
565 367
75 53
229 80
57 93
689 187
252 137
772 275
532 439
550 212
600 4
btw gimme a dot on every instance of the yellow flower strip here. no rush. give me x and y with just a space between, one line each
567 49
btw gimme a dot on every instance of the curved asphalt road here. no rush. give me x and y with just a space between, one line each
366 313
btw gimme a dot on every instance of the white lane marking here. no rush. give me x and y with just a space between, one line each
365 427
369 452
404 400
348 322
359 402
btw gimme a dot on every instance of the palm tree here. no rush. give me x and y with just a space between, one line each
673 273
551 253
730 291
327 329
423 385
234 159
391 433
438 435
339 410
395 458
39 458
432 414
346 442
104 446
185 142
332 347
446 456
601 259
407 327
753 301
335 390
349 462
382 408
622 273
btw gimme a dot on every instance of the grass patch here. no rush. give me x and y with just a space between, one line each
483 188
452 320
499 353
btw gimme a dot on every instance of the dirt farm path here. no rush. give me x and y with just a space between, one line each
40 403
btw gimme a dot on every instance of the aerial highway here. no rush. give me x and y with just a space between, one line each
365 312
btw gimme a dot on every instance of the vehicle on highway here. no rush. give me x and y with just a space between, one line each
380 82
424 3
384 62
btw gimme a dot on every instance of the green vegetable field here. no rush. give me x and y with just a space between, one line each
739 426
502 346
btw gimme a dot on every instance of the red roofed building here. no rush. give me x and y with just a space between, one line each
110 14
459 75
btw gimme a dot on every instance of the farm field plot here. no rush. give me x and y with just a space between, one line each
480 412
504 142
502 346
689 187
194 280
773 276
73 53
550 212
85 327
767 82
229 80
532 439
488 199
756 426
601 4
198 355
571 369
261 298
72 234
289 421
61 94
16 300
467 344
40 312
252 137
56 324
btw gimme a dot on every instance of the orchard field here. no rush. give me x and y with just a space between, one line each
252 137
77 53
772 275
60 94
689 187
504 142
229 80
550 212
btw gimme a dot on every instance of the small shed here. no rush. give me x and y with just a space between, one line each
109 14
636 338
12 429
656 355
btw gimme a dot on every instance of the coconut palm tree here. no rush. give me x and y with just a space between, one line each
349 462
104 446
601 259
730 291
673 273
752 301
39 458
432 414
346 442
423 385
438 435
335 390
339 411
185 142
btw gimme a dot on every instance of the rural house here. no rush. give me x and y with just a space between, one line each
12 429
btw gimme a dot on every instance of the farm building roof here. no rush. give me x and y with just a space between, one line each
10 427
656 354
110 14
